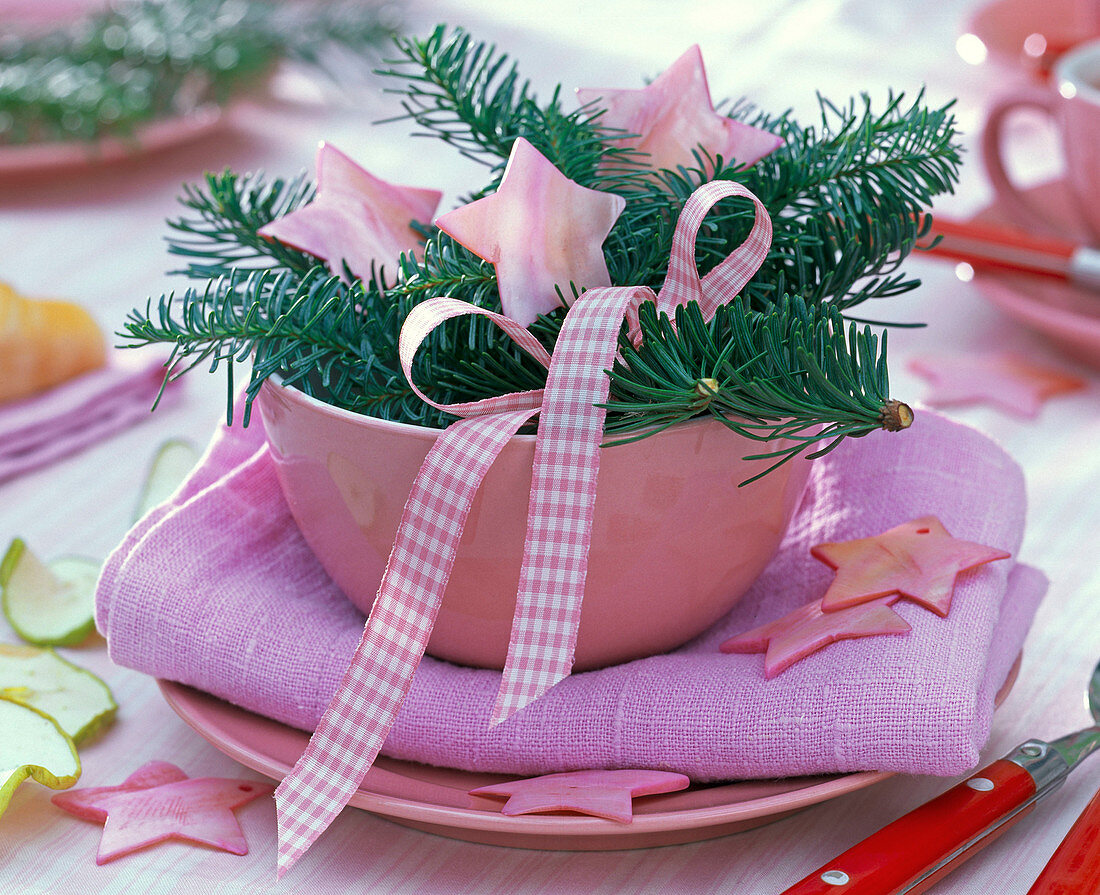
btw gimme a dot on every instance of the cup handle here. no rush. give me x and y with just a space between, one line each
1010 196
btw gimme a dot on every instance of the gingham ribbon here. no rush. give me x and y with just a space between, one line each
559 525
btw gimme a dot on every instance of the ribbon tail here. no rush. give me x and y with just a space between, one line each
360 715
563 497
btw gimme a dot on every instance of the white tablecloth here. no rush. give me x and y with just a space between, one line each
96 237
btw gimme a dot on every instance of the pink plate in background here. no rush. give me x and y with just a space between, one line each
35 157
437 800
1063 313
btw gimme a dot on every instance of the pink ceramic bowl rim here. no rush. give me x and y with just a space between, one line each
299 397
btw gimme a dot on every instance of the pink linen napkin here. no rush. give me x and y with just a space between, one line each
43 428
217 589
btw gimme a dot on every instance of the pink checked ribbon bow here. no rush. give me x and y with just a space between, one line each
559 525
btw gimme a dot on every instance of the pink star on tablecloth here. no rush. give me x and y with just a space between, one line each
355 218
540 230
82 803
918 560
159 802
1014 384
606 794
675 115
807 629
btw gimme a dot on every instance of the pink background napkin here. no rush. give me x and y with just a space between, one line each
218 590
46 427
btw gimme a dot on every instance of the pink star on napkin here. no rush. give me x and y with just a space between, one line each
675 115
540 230
807 629
606 794
1013 384
918 560
159 802
355 218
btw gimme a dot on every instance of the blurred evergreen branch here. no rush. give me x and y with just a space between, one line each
143 60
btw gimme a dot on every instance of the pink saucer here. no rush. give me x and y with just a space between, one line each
1068 316
38 157
437 800
1025 34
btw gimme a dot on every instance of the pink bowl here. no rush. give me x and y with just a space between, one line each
675 541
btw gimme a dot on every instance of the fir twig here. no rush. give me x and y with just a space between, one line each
224 215
469 95
794 373
780 364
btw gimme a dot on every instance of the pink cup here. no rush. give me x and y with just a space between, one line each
1073 104
675 541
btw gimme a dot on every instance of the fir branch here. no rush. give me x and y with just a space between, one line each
461 92
301 328
792 373
845 201
224 217
143 60
469 95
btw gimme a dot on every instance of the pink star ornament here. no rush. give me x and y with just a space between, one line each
607 794
807 629
675 115
540 230
159 802
918 559
355 218
1013 384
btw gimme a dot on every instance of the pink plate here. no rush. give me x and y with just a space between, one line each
1028 35
1066 315
437 800
36 157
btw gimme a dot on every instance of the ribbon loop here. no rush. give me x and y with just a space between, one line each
429 314
720 286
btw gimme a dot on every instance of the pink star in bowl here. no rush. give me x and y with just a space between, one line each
675 115
918 560
1014 384
540 230
159 802
606 794
807 629
355 218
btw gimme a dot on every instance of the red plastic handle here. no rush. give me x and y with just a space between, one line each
1075 866
893 859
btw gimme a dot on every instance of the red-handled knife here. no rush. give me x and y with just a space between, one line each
1075 867
1007 248
916 851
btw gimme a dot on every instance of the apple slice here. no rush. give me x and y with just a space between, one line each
33 746
48 605
75 698
173 462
